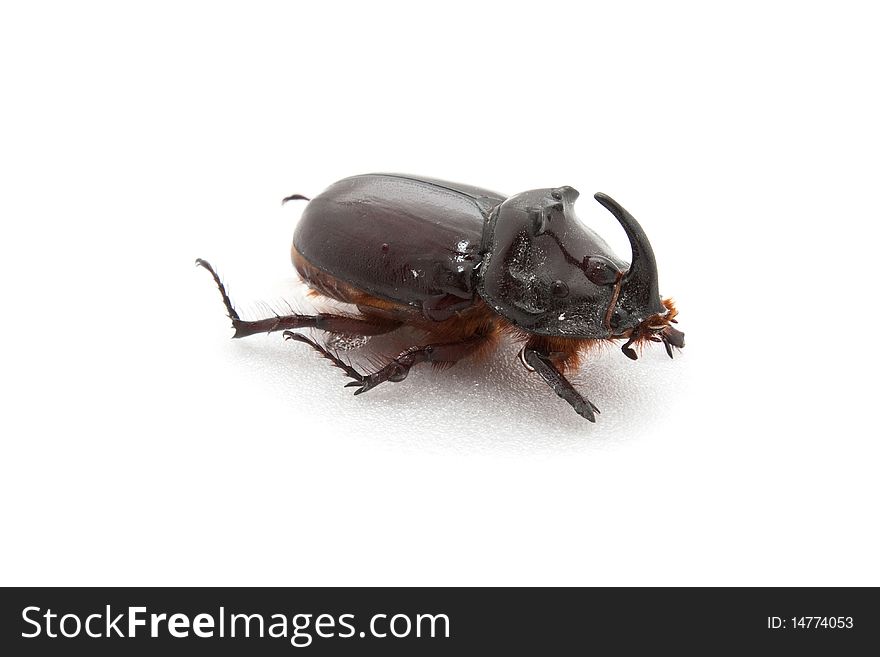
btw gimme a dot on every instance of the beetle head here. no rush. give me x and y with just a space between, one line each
544 270
550 274
638 313
638 296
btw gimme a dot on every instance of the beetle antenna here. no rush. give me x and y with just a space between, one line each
295 197
627 349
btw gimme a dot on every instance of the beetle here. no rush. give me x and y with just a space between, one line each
465 266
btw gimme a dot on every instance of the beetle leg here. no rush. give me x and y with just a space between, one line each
398 369
230 310
338 362
294 197
541 364
323 321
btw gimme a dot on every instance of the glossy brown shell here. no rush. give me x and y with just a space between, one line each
407 240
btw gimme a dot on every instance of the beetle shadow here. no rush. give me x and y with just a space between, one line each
502 405
488 406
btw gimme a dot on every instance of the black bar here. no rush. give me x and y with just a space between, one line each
537 621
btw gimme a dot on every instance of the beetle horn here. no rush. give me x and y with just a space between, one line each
639 290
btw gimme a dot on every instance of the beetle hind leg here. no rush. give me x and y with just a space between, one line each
334 323
230 309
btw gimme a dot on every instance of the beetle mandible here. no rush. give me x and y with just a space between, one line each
466 265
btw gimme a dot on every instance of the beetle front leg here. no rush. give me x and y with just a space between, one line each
541 363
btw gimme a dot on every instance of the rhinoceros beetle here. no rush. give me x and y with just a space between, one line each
465 266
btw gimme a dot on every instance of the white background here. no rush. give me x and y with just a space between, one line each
142 446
